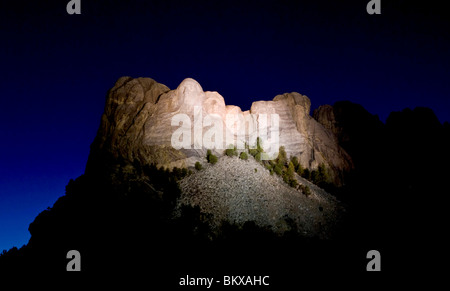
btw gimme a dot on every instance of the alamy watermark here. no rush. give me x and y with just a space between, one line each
75 261
374 7
375 261
73 7
237 130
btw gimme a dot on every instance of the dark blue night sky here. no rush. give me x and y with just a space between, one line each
56 69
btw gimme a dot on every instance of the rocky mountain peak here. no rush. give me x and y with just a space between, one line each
136 126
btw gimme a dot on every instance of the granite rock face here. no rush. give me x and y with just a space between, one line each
356 130
137 126
304 137
325 116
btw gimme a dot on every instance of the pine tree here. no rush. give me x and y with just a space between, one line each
282 157
259 147
291 175
294 161
212 159
243 156
306 174
291 170
323 174
231 151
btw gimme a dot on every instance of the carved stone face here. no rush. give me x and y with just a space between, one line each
190 93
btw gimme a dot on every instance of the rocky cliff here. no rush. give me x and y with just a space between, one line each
136 126
360 133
